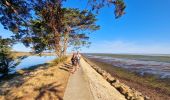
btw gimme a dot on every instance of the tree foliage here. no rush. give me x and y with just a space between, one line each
46 25
119 10
14 15
7 60
43 33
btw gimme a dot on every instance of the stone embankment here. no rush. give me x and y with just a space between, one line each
129 93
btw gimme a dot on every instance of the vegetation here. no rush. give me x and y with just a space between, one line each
146 82
46 25
59 60
46 35
7 61
159 58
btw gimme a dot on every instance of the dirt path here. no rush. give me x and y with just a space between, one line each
87 84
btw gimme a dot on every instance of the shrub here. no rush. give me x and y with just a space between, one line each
59 60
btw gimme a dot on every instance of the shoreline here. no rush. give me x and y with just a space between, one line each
39 82
147 85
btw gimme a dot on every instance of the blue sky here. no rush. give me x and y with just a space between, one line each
145 28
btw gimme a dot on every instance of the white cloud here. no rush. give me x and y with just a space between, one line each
117 47
127 47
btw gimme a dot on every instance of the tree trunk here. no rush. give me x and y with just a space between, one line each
66 37
57 44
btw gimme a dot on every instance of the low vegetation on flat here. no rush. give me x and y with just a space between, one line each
155 88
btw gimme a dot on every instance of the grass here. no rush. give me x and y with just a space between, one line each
31 68
44 82
22 71
59 60
18 54
146 80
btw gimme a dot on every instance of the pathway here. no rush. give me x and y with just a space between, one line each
87 84
78 87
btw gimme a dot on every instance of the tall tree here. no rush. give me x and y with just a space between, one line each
82 22
43 35
48 20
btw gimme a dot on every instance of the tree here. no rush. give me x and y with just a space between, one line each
76 30
119 10
14 15
50 24
43 34
7 60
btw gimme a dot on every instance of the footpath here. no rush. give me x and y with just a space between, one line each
87 84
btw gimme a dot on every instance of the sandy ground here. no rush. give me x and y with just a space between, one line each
50 83
44 83
87 84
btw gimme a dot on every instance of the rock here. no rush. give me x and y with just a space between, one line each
147 98
93 66
105 75
117 81
116 85
137 94
129 95
140 98
99 70
102 72
123 89
110 79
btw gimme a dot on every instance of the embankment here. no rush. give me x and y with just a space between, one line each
148 86
46 82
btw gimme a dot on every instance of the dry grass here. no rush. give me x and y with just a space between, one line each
44 83
59 60
18 54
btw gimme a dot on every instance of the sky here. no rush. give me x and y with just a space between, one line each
145 28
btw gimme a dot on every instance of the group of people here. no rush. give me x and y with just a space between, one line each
75 60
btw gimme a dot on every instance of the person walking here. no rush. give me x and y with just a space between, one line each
74 61
78 59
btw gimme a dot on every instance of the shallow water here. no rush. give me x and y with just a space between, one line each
144 66
34 60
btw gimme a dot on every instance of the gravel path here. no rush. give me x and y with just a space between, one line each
87 84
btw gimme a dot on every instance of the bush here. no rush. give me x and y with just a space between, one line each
59 60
